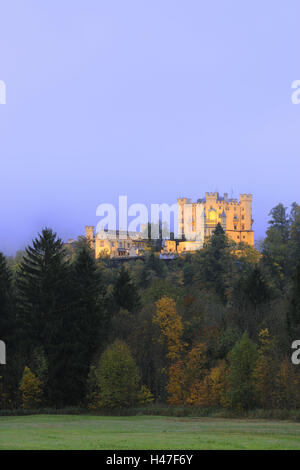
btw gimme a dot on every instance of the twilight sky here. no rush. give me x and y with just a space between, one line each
149 99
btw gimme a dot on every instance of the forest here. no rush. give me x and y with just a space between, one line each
209 329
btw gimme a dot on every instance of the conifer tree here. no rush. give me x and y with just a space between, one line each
276 246
87 322
125 293
293 314
44 305
242 363
295 233
214 264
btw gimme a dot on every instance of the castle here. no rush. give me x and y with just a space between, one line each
198 220
196 223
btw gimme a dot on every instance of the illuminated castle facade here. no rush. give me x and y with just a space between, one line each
198 220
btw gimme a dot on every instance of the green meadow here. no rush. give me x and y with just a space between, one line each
145 432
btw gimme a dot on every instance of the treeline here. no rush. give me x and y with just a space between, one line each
212 329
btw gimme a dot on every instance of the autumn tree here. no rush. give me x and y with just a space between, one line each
171 329
212 390
265 370
117 378
31 389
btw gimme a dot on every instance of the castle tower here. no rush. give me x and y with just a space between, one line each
89 234
247 234
223 220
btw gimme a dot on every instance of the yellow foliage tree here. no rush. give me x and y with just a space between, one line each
195 363
176 384
145 396
211 391
265 371
171 326
31 389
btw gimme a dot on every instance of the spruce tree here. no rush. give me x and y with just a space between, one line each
293 314
213 267
295 235
44 304
125 292
243 359
276 246
88 322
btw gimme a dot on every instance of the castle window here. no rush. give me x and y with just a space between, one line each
234 227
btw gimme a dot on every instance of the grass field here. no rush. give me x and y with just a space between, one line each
144 432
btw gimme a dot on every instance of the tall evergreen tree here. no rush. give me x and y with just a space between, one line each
243 359
293 314
88 322
44 304
295 234
250 296
276 252
125 293
214 264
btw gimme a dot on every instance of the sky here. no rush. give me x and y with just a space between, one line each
150 99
